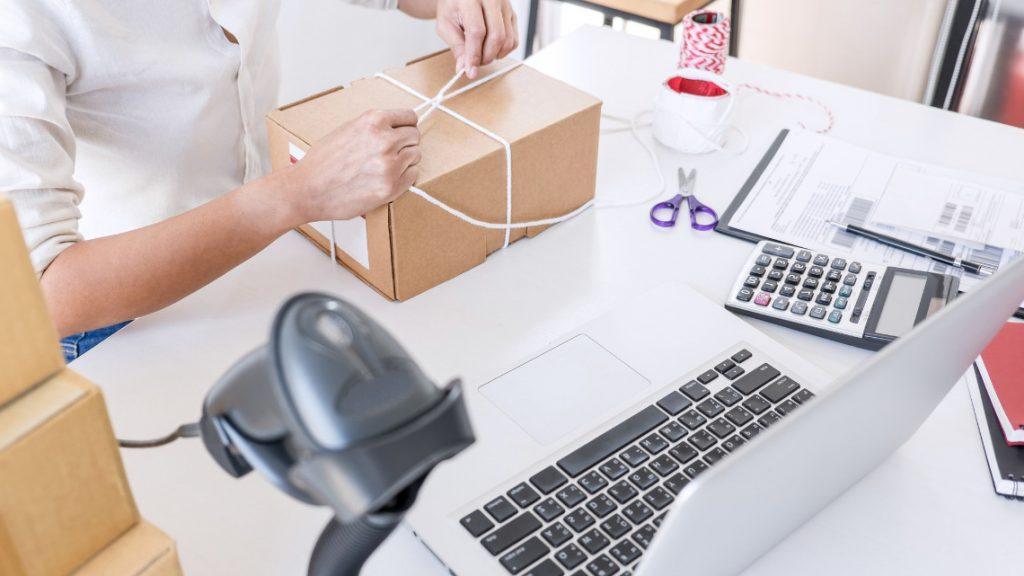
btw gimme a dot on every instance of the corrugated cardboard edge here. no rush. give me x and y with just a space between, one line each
324 244
121 558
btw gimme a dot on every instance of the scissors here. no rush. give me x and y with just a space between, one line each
686 184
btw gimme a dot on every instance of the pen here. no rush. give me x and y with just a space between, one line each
969 266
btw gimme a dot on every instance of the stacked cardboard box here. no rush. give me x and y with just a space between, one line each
64 497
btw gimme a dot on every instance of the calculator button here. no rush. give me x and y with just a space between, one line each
799 267
854 267
824 299
781 303
803 396
845 291
803 256
757 271
821 260
815 272
834 276
835 317
673 403
763 260
850 280
811 283
799 308
818 312
769 286
777 250
839 264
745 294
841 303
780 264
787 291
775 275
869 280
751 282
806 295
793 279
829 287
724 366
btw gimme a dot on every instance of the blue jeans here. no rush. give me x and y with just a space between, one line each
78 344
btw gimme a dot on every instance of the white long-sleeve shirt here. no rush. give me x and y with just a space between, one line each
137 110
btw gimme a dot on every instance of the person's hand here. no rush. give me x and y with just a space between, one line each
364 164
478 31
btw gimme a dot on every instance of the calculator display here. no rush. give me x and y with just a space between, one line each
899 311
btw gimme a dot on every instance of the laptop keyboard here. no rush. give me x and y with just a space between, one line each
595 510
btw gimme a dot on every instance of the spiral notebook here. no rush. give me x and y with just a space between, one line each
1001 366
1005 462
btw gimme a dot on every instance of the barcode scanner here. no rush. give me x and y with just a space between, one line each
333 411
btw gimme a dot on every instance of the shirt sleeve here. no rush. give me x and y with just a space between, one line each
37 145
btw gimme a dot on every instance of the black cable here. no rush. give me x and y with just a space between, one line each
183 431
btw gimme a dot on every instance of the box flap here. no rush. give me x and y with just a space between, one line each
142 551
39 405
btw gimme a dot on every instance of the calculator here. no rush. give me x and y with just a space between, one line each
858 303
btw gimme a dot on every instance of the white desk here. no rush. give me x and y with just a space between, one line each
929 509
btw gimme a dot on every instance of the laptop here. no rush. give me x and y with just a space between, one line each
627 446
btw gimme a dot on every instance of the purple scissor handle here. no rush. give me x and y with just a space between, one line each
694 206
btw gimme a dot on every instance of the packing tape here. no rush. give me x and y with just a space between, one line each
705 43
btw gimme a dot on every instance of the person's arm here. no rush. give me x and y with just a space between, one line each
477 31
94 283
360 166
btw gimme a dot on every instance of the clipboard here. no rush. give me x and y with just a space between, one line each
725 222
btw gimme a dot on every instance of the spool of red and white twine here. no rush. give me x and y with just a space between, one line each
705 42
705 46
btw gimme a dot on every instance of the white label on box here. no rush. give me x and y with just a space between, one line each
349 235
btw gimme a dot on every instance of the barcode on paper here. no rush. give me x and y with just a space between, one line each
857 213
946 218
964 219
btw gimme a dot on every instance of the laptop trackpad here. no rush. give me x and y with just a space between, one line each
575 384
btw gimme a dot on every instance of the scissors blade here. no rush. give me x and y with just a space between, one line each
686 181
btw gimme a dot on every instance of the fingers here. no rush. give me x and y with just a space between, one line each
405 136
397 118
408 178
475 32
512 34
494 42
451 34
409 156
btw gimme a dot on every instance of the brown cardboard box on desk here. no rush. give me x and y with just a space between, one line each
29 348
63 491
409 245
142 551
64 496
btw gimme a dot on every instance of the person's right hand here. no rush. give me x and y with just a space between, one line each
364 164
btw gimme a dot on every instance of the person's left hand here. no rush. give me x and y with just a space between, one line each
478 31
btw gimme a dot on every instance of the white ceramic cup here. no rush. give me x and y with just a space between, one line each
693 123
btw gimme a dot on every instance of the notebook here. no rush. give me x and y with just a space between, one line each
1005 462
1001 366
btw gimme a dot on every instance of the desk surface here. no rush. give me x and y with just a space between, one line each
929 509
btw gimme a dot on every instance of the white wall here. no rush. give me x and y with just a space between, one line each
326 43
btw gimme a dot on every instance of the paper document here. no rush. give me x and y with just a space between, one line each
813 178
951 208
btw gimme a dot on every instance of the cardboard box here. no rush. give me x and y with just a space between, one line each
408 246
29 346
142 551
63 491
